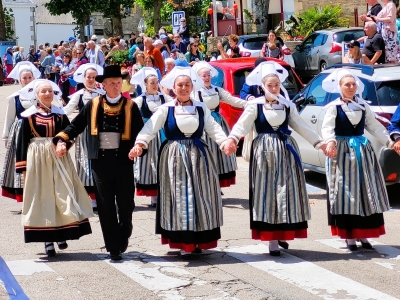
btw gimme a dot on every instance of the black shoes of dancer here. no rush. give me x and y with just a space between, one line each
351 247
124 245
283 244
51 251
366 245
115 256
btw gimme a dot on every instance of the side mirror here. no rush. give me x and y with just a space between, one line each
298 48
299 99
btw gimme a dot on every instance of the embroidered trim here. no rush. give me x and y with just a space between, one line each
93 119
112 110
63 135
35 133
20 164
126 135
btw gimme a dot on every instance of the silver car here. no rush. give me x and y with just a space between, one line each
323 48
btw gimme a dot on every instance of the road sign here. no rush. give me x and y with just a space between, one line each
176 18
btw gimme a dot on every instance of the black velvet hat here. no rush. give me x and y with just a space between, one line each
110 72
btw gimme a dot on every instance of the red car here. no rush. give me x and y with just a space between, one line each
232 75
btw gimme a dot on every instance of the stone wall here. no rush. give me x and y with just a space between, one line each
347 7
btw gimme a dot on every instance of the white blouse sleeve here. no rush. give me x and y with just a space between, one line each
375 128
226 97
138 101
10 117
72 104
301 127
152 126
212 128
328 124
245 122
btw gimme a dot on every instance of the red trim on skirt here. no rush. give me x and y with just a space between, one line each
358 233
279 234
189 247
4 193
92 196
147 193
19 198
227 182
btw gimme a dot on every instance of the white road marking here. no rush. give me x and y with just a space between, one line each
155 274
305 275
27 267
385 265
385 250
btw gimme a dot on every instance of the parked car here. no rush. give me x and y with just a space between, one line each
250 46
323 48
382 91
232 74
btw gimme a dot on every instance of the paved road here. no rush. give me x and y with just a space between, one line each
313 268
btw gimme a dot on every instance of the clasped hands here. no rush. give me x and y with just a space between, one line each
61 148
229 147
396 146
136 151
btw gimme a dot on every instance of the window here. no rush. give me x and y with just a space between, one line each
320 40
254 43
316 94
309 42
388 92
218 80
347 36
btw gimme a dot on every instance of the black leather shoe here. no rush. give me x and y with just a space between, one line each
115 256
275 253
197 251
351 247
62 246
366 245
124 245
50 251
283 244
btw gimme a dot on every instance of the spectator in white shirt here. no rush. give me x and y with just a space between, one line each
94 54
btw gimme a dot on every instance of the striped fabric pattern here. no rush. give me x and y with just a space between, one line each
277 182
145 168
9 178
83 166
225 164
190 194
348 193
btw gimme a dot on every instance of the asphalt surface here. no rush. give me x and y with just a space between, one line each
313 268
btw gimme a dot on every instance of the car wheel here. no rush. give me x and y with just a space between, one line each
322 66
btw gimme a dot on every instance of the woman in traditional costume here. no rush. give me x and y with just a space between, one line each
279 205
357 195
145 167
212 96
86 75
56 206
189 206
12 182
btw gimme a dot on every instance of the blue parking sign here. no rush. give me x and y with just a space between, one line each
176 18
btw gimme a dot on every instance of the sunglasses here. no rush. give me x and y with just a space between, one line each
78 52
176 37
195 45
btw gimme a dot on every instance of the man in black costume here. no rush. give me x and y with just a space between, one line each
113 123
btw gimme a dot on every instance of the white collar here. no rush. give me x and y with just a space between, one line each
113 100
338 102
262 100
33 110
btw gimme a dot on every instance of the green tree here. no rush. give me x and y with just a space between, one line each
8 15
2 23
318 18
82 9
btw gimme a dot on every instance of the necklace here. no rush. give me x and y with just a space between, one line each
183 102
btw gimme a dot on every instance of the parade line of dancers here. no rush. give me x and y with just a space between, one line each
179 151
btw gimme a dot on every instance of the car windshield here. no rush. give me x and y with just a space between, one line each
347 36
254 43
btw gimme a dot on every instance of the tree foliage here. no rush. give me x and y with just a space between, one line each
82 9
261 11
2 23
318 18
